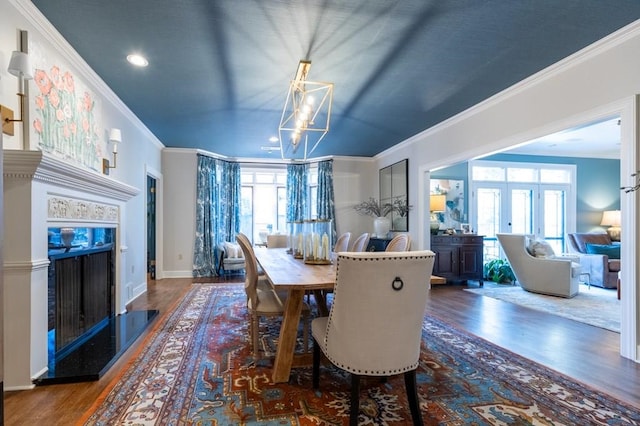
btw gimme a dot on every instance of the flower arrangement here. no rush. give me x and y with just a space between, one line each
375 208
402 207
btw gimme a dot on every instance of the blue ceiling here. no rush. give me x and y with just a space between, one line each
219 70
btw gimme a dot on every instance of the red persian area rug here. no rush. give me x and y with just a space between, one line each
197 369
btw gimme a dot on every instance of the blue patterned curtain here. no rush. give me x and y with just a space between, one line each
206 218
326 209
229 202
217 211
297 189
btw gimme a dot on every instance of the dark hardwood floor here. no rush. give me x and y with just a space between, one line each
588 354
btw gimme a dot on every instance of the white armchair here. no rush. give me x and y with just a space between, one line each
556 276
229 257
378 306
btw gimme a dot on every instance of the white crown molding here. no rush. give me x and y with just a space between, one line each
275 161
38 20
36 165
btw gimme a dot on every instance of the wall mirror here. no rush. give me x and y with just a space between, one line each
394 189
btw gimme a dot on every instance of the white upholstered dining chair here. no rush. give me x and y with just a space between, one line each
343 243
378 306
361 243
401 242
263 301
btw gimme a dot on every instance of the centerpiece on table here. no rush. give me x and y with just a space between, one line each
379 211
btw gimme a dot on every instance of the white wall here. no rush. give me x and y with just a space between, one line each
599 81
352 182
179 171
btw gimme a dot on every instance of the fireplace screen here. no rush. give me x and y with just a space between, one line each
81 284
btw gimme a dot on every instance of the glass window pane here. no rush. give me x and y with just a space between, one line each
522 175
489 211
555 176
264 178
521 211
246 211
313 176
282 210
313 201
246 177
554 203
493 174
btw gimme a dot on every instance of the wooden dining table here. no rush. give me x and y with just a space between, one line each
297 277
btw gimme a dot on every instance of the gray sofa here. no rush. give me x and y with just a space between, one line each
602 270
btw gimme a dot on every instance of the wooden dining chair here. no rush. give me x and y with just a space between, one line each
379 304
401 242
263 301
361 243
343 243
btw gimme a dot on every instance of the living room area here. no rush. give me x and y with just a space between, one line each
579 220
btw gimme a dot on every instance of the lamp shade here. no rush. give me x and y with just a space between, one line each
437 203
610 218
20 65
115 136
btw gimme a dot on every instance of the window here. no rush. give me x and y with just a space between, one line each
523 198
313 191
263 204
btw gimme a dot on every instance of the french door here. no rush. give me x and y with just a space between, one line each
545 210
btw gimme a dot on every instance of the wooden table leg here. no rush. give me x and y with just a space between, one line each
288 334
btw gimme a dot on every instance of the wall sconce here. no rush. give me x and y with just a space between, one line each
20 66
115 137
611 218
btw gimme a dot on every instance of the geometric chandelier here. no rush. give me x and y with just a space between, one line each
305 116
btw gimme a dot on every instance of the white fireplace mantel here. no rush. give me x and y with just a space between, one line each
37 165
41 191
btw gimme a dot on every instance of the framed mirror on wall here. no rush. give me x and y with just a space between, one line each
394 189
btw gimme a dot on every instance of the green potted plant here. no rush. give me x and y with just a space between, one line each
499 271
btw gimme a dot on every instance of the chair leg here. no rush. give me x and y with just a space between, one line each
412 396
316 366
305 333
355 400
255 331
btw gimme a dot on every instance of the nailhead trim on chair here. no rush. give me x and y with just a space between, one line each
382 372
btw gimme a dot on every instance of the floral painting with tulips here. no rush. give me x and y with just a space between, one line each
65 118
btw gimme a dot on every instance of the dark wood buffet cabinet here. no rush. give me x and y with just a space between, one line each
459 257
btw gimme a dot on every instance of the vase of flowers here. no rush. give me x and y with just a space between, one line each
379 211
381 226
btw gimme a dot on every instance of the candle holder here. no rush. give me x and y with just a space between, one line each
317 242
296 236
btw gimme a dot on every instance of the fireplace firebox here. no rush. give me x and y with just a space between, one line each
81 285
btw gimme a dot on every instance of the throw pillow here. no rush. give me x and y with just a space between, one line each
541 248
231 249
613 251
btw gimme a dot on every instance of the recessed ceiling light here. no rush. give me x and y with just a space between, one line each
274 139
137 60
